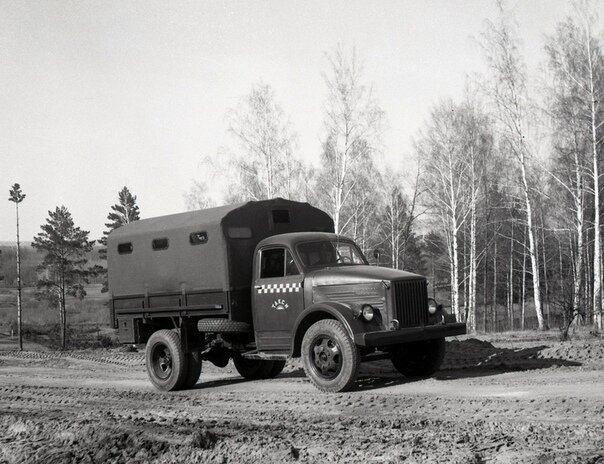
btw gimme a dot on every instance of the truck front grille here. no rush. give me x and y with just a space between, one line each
410 299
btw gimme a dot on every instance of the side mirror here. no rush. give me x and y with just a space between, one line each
376 254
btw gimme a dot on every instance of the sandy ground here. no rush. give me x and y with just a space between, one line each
514 400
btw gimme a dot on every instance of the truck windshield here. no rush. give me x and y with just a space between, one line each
329 253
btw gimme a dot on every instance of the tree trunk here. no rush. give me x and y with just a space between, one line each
455 276
465 277
578 261
532 247
545 282
473 270
19 304
523 284
494 313
589 281
62 315
484 295
507 297
512 280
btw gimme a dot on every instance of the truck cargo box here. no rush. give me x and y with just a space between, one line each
198 261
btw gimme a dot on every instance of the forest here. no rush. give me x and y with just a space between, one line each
498 204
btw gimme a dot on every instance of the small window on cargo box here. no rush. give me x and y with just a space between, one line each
124 248
239 232
280 216
160 244
197 238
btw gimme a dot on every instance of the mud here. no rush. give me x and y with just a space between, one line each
506 401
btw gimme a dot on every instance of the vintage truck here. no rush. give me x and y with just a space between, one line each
260 282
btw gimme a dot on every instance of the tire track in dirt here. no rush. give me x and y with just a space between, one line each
493 410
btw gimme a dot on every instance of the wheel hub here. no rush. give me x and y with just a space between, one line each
326 356
162 361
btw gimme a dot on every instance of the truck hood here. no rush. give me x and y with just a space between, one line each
339 275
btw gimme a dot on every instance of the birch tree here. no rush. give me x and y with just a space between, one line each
197 197
476 151
352 125
397 218
508 92
576 62
264 159
439 148
453 150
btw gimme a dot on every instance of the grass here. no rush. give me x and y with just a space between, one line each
92 310
87 319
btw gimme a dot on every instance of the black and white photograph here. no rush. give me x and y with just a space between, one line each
280 231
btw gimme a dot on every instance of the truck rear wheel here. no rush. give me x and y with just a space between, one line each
193 369
252 369
331 359
418 359
165 360
277 368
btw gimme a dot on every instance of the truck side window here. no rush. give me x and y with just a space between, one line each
272 263
160 244
290 265
124 248
197 238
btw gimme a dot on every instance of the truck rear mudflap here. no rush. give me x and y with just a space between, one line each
409 334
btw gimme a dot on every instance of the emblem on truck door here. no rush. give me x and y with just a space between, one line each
279 305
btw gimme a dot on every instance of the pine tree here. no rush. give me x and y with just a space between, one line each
123 212
63 265
16 196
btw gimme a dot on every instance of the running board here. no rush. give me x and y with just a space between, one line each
375 357
255 354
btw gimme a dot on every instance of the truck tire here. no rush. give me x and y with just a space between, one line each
193 369
331 359
277 368
252 369
223 326
418 359
165 360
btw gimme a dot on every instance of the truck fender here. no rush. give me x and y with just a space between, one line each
323 310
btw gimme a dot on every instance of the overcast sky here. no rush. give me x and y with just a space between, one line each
98 95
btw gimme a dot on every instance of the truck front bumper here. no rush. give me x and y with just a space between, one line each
409 334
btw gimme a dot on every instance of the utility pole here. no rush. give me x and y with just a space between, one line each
16 196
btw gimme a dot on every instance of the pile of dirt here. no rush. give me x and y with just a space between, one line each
586 352
473 353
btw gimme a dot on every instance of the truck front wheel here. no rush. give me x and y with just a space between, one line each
331 359
166 362
418 359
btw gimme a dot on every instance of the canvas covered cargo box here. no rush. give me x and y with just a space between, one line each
200 259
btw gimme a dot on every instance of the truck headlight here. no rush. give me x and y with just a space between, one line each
432 306
367 313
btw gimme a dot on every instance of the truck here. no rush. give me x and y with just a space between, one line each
261 282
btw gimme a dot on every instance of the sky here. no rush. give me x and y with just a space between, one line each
95 95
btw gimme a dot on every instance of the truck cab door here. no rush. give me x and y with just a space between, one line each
278 298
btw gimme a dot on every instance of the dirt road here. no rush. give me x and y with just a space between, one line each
511 401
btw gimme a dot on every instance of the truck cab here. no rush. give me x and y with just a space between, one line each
276 283
301 279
